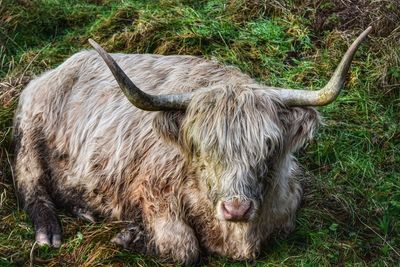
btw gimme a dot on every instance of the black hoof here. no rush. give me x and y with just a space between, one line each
84 214
47 226
132 238
44 237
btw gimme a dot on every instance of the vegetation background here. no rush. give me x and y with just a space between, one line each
351 211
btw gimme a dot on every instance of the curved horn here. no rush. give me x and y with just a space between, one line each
136 96
332 89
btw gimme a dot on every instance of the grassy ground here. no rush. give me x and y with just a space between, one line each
351 211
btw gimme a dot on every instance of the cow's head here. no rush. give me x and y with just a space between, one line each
238 137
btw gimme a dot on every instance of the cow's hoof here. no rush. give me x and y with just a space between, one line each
131 238
43 238
47 227
48 233
84 214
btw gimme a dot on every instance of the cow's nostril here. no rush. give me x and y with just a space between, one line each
237 210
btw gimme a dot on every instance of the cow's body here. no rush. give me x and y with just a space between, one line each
81 145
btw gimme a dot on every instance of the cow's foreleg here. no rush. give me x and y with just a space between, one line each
33 183
175 240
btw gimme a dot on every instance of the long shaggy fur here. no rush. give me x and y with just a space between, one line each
82 146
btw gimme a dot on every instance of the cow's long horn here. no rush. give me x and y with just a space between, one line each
136 96
330 92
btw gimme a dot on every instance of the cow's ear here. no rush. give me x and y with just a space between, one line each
168 125
300 124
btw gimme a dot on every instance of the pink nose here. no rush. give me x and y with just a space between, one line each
237 210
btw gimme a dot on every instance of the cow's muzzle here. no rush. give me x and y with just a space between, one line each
236 210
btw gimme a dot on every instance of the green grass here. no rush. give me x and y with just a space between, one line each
351 211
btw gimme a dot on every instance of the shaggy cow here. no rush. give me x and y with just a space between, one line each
202 162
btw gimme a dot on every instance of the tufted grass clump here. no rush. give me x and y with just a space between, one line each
351 209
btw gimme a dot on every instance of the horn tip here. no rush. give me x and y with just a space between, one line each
368 30
93 43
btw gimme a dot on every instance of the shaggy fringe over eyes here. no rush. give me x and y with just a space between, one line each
233 125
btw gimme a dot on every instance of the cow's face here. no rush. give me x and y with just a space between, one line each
237 140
